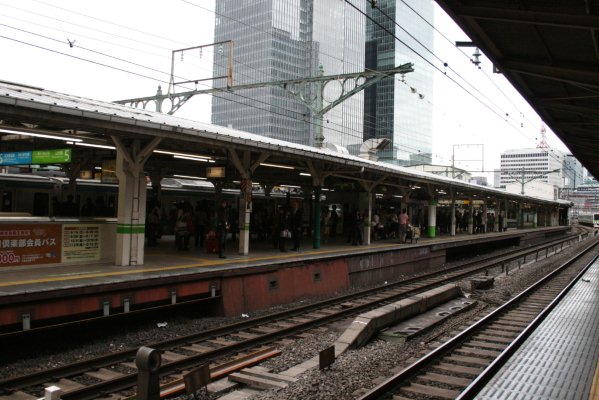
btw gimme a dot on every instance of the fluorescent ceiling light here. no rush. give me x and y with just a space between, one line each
192 158
305 174
398 196
100 146
190 177
277 166
172 153
253 183
27 133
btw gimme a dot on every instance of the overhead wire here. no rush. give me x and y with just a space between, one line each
163 81
328 123
452 43
398 25
139 41
293 111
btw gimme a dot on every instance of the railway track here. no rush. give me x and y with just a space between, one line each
116 373
459 367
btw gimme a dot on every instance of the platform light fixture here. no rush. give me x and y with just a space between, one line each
100 146
190 177
192 158
41 135
277 166
174 153
304 174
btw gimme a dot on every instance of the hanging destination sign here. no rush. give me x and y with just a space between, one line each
15 158
56 156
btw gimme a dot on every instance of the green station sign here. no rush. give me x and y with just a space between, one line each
57 156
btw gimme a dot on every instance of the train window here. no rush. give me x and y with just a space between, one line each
41 204
7 201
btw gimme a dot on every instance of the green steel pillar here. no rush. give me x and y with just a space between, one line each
520 216
432 218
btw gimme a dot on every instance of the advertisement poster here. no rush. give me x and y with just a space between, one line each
80 242
29 244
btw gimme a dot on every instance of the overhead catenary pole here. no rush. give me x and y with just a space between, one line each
522 179
296 87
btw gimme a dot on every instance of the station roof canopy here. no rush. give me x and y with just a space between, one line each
549 50
95 123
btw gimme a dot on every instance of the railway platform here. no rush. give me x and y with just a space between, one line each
36 295
560 359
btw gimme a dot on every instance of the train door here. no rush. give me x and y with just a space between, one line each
41 204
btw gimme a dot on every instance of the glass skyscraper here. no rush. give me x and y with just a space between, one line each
397 108
288 39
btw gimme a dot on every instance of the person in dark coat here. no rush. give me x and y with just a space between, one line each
334 221
296 226
201 222
285 227
357 225
222 224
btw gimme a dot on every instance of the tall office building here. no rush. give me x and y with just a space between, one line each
289 39
534 164
396 108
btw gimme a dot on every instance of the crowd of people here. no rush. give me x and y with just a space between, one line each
204 225
70 208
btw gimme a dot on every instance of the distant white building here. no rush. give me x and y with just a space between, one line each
543 165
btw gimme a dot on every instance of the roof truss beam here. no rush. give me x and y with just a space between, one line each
531 17
576 75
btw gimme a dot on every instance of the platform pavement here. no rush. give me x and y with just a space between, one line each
560 359
166 260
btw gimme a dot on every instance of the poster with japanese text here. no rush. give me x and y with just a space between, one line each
80 242
31 244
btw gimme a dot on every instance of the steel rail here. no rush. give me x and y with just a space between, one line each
128 381
392 384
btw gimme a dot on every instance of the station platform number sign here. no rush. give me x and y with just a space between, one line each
55 156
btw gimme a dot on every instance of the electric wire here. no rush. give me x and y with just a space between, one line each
163 81
104 54
174 41
508 98
424 58
167 39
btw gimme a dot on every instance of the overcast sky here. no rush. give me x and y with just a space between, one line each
112 50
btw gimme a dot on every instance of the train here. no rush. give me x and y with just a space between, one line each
589 219
45 196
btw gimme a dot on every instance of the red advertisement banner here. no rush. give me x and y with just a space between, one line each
30 244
